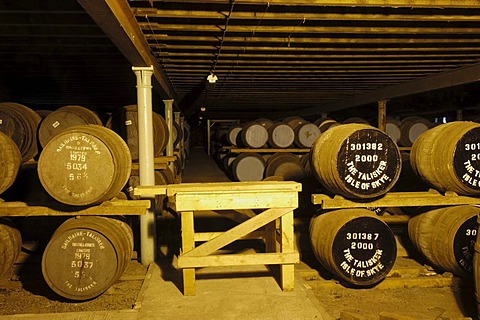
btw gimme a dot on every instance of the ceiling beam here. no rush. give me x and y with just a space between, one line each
115 18
447 79
352 3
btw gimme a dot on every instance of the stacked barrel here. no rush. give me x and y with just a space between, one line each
80 163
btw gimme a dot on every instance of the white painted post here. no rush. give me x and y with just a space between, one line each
145 160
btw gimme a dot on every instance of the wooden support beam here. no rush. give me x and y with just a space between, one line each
237 259
382 115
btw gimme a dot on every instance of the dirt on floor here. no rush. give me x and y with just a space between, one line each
27 293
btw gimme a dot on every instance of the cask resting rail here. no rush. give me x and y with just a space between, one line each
396 199
113 207
277 199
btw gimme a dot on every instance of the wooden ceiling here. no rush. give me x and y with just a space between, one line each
272 58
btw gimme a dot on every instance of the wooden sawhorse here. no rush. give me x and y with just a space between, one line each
278 199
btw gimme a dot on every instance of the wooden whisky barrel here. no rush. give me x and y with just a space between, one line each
232 134
285 165
125 123
86 255
447 157
446 237
356 161
355 120
306 134
355 245
411 128
84 165
160 179
248 166
294 121
10 246
325 123
476 269
11 159
280 135
254 135
392 128
20 123
64 118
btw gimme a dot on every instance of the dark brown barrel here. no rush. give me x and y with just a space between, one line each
285 165
325 123
446 237
64 118
392 128
294 121
20 123
10 159
281 135
355 120
177 133
248 166
84 165
447 157
232 134
408 181
10 246
354 245
356 161
125 123
306 134
476 269
254 135
86 255
411 128
266 123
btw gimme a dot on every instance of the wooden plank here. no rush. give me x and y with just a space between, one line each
188 243
143 290
237 232
287 245
207 236
396 199
237 260
122 207
84 315
234 200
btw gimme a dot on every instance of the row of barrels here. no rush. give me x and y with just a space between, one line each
359 249
300 133
83 258
359 161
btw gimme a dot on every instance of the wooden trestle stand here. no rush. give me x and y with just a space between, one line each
278 199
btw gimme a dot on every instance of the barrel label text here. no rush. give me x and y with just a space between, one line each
466 159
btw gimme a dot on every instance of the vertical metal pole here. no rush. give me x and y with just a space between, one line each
208 136
382 115
145 159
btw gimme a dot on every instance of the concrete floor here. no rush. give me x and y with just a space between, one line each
248 292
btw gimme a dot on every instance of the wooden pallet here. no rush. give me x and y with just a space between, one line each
277 199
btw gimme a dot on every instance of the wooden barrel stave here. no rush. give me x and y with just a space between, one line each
10 246
452 162
11 159
86 255
84 165
354 245
356 161
446 237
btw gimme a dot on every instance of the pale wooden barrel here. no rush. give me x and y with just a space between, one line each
446 238
10 159
254 135
447 157
10 246
285 165
411 128
356 161
281 135
248 166
476 269
355 245
392 128
20 123
355 120
306 134
233 134
84 165
64 118
86 255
